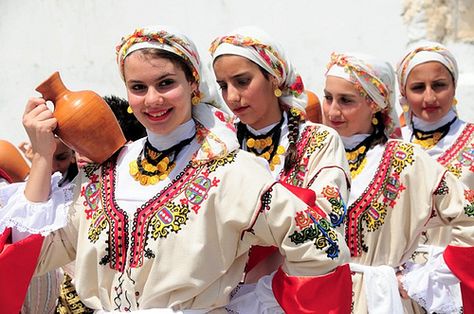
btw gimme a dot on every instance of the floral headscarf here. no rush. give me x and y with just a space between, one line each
421 53
219 138
254 44
372 77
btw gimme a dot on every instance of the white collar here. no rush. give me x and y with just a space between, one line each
162 142
267 128
354 140
429 126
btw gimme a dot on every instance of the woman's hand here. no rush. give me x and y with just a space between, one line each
39 123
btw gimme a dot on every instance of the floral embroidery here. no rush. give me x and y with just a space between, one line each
227 119
402 156
168 218
393 189
207 140
469 208
461 154
91 194
155 219
374 215
216 163
303 220
324 237
386 187
197 191
268 54
177 44
317 141
99 223
310 140
338 206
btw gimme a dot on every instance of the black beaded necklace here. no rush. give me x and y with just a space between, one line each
428 139
156 165
264 145
356 156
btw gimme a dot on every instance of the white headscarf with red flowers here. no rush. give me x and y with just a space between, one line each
257 46
373 77
219 138
422 52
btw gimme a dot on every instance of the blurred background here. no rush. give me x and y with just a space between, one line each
78 38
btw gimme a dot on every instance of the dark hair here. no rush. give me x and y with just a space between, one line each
132 129
379 130
294 121
174 58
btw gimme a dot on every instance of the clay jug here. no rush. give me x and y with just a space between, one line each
12 162
85 121
313 108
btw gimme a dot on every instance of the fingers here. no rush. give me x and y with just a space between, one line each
38 116
32 103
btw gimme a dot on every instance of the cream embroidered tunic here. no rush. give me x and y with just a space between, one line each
183 243
400 193
321 159
455 152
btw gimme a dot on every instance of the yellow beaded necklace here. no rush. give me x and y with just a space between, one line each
156 165
429 139
266 145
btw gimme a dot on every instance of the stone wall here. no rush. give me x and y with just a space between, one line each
439 20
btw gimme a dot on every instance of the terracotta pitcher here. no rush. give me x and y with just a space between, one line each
12 162
85 121
313 108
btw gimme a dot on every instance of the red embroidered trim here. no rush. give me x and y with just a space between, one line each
300 149
359 207
452 152
118 219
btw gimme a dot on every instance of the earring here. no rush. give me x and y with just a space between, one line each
375 121
405 108
129 109
455 101
277 92
195 100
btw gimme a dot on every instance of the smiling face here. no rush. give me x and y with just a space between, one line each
430 91
247 91
159 92
344 109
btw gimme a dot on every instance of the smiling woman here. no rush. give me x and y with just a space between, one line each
166 223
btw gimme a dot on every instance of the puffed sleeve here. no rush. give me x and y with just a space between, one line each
452 205
55 219
327 172
455 206
315 252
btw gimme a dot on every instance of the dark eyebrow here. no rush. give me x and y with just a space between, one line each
340 95
157 79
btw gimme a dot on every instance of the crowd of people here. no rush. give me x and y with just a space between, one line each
249 203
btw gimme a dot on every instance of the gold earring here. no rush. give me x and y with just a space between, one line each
405 108
277 92
195 100
129 109
455 101
375 121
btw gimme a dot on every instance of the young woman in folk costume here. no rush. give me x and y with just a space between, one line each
167 222
427 77
262 88
398 191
